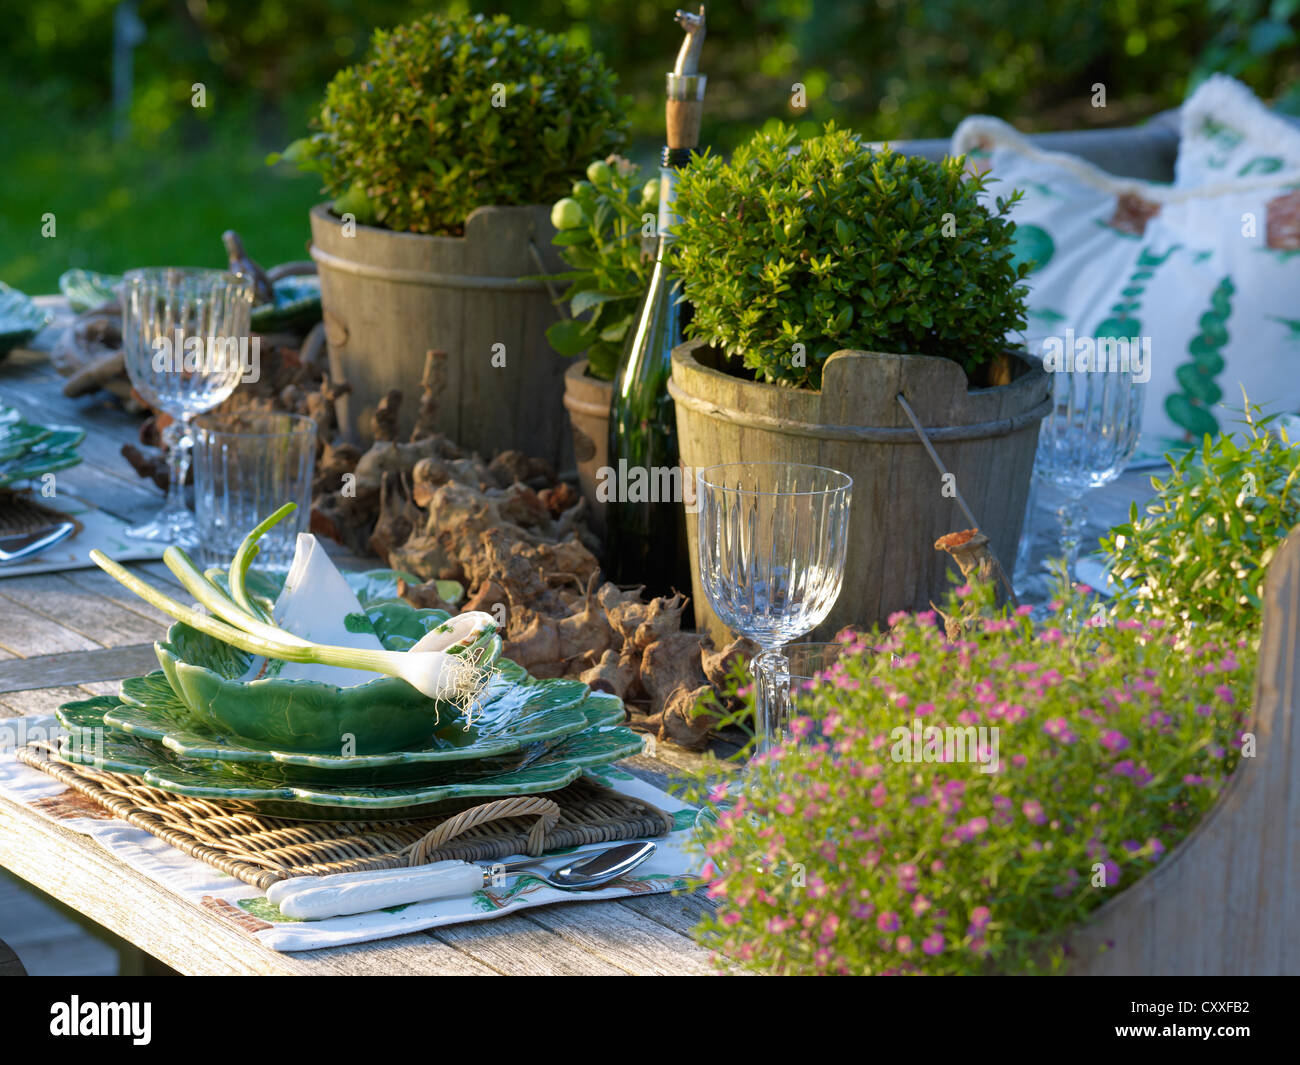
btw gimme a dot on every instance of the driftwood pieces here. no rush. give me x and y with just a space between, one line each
517 538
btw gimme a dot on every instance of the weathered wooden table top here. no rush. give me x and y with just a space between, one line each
68 635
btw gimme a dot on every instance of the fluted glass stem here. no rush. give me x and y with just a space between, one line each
1071 514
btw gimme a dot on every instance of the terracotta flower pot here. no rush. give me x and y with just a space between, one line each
587 400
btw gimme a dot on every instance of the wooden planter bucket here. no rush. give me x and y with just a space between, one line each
1226 901
986 438
390 297
588 400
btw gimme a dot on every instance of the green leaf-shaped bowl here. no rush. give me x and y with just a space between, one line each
379 716
547 768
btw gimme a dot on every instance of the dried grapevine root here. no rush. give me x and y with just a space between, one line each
513 534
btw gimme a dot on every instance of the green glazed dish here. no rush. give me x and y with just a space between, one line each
382 715
85 289
544 767
20 319
297 305
28 450
517 711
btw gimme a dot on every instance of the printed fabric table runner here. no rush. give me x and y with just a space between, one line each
671 868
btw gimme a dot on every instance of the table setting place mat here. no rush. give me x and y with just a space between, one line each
222 856
23 512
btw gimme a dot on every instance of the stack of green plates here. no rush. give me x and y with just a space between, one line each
315 752
28 451
297 305
20 319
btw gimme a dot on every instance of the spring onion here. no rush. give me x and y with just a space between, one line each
436 666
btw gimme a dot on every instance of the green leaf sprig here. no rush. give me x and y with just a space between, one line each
1199 552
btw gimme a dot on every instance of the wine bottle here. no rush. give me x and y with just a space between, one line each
645 517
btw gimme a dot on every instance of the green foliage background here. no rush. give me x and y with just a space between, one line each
885 69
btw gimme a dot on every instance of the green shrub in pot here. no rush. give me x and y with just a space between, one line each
442 153
789 256
448 114
867 844
828 278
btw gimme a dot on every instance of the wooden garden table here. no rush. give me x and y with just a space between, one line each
73 634
68 635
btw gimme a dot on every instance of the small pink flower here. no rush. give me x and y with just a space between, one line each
1114 740
903 944
1059 729
980 917
933 944
887 921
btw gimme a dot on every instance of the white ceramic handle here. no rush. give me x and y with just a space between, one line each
316 903
282 889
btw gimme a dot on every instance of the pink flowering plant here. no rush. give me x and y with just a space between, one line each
955 806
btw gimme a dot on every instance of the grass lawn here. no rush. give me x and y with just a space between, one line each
121 206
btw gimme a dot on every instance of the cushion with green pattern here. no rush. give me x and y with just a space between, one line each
1203 274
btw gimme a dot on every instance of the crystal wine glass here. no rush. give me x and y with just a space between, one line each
1086 441
772 541
185 336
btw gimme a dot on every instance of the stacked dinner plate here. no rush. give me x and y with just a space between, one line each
20 319
296 307
28 451
374 751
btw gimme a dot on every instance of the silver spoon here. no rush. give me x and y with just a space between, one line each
23 545
345 893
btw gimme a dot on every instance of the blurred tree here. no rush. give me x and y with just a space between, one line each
888 67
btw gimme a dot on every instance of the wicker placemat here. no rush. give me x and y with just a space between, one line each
260 850
20 512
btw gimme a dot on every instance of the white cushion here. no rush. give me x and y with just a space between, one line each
1206 270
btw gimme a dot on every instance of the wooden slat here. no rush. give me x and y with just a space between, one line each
416 953
681 913
26 633
519 947
76 667
93 582
624 938
94 616
39 700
